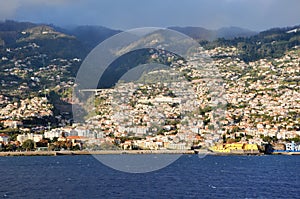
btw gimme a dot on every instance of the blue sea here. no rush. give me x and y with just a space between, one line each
188 177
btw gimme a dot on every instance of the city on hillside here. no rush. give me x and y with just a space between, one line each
241 99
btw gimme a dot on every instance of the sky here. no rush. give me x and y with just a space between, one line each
255 15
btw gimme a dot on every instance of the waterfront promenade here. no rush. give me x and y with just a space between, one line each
133 152
100 152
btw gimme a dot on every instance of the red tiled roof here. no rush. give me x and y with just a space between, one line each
75 137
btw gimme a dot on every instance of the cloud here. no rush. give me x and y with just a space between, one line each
124 14
9 8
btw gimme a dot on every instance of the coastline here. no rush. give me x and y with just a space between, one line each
132 152
100 152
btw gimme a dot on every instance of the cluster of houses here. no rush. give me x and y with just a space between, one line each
26 108
30 77
288 147
261 99
263 96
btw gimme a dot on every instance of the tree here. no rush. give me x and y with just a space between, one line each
230 140
11 147
224 138
28 145
69 144
269 139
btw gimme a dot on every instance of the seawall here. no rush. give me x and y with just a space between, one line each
102 152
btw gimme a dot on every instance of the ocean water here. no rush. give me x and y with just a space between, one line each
188 177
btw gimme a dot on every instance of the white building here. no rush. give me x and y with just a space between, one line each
4 138
35 137
52 134
292 146
178 146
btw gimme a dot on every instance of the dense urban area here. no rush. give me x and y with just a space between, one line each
252 98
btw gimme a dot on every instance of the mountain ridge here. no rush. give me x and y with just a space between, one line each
78 41
91 35
200 33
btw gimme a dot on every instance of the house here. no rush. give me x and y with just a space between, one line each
52 134
127 145
292 146
4 138
12 123
178 146
35 137
76 140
